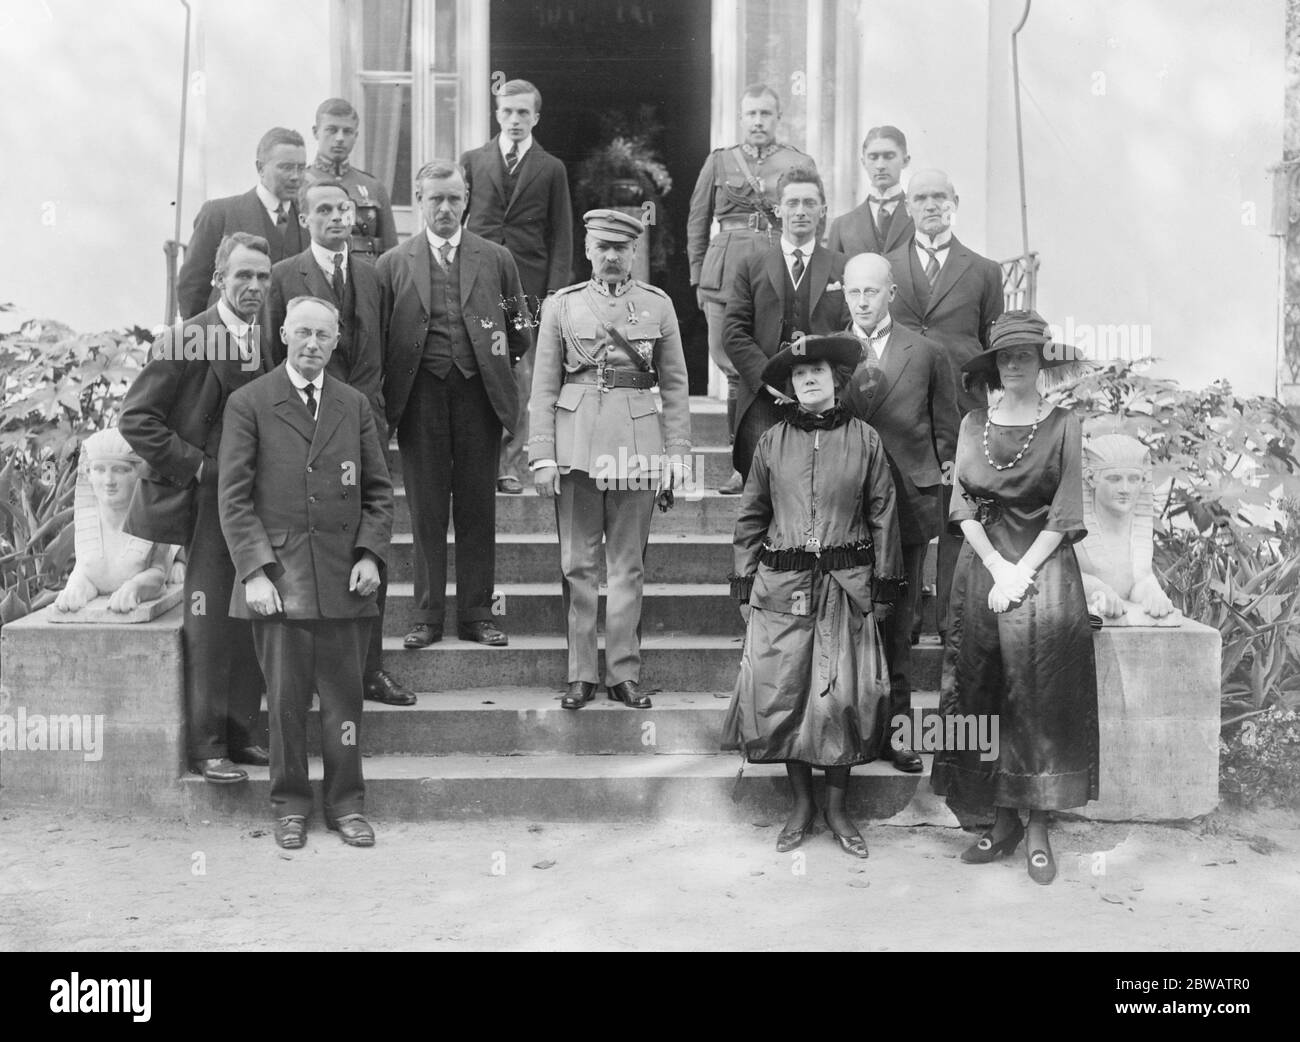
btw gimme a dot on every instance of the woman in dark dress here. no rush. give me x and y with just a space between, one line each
1019 643
816 533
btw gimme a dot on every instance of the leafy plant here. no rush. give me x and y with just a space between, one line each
1259 762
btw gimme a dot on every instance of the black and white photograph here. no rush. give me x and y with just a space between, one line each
652 475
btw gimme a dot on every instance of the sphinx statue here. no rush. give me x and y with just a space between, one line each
109 562
1115 556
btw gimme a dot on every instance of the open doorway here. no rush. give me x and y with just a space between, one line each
607 68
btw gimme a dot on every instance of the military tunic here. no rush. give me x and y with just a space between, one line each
374 230
608 443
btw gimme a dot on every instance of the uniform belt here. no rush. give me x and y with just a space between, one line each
754 222
606 376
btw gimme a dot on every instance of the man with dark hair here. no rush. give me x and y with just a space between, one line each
330 270
882 222
903 389
307 511
519 199
267 210
737 188
950 294
335 131
172 418
789 289
452 304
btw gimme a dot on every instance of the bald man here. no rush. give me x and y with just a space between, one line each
950 294
903 389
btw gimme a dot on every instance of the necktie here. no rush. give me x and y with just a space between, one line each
512 159
796 272
336 282
932 265
444 255
884 214
281 217
310 391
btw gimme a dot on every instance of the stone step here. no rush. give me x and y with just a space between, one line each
569 788
530 722
698 512
670 662
532 558
701 608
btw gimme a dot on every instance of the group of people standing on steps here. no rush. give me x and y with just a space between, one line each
845 366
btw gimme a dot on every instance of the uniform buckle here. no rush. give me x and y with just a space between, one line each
603 369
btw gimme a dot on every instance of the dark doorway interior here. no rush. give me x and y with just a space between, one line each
598 62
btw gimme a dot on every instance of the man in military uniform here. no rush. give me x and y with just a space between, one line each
335 130
737 188
605 447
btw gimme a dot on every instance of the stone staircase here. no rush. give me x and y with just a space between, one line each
488 738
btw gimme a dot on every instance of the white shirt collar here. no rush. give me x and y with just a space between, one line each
788 248
894 195
325 258
272 204
504 144
942 239
436 241
233 322
882 332
300 382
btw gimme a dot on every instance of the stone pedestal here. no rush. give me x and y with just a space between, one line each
1158 707
92 713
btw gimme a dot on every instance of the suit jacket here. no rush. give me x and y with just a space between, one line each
488 278
535 224
910 402
172 413
362 365
221 217
855 232
966 298
303 498
752 328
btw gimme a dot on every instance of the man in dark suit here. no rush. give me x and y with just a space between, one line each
519 199
451 301
330 270
950 294
267 210
903 389
792 288
172 418
307 511
882 222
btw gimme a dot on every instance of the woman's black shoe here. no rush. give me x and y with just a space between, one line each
855 844
988 849
792 838
1041 864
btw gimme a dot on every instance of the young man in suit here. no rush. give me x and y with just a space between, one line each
172 418
450 303
267 210
603 447
951 294
786 290
882 222
738 189
903 389
307 511
519 199
331 270
335 131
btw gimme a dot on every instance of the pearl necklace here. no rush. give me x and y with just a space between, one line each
988 420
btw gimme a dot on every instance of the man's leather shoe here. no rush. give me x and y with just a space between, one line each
483 632
219 770
579 694
626 692
422 636
355 830
905 760
380 687
735 485
253 755
291 831
510 485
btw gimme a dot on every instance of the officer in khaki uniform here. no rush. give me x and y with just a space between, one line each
335 130
604 446
737 188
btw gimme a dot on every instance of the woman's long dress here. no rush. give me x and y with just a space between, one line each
1032 667
813 686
